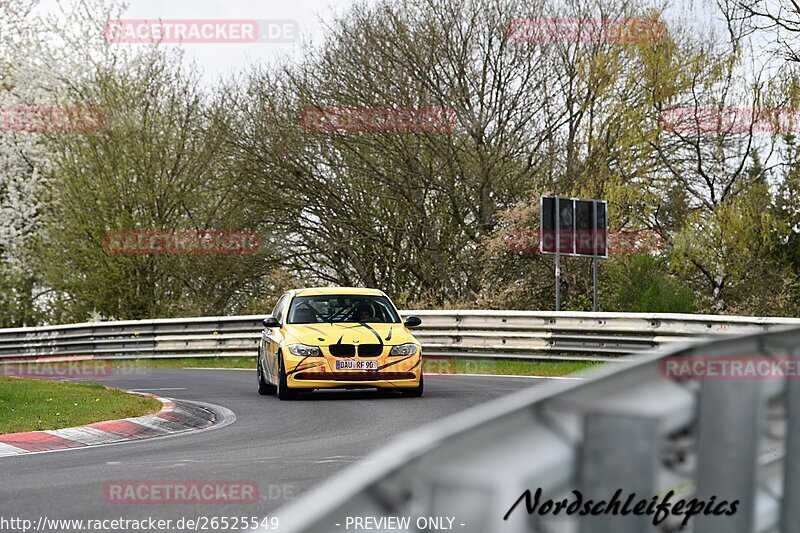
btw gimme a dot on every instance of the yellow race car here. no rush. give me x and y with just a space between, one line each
338 337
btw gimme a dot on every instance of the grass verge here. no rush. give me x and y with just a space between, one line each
434 365
516 367
431 365
190 362
32 405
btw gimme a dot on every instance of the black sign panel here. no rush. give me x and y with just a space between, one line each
584 227
601 231
548 236
566 226
578 231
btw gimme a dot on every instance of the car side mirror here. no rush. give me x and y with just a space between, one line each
412 321
271 322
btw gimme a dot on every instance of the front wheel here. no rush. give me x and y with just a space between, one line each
284 392
416 392
264 388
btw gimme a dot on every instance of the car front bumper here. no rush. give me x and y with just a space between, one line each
318 373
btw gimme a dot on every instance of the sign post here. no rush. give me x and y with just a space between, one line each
571 226
558 255
594 258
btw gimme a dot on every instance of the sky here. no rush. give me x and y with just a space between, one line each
222 59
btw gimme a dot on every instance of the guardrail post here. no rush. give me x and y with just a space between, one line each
728 426
619 452
790 506
93 339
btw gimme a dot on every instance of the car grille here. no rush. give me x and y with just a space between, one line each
370 350
342 350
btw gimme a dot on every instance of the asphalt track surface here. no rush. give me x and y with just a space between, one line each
284 447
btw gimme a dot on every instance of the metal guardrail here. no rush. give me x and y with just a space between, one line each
469 333
629 427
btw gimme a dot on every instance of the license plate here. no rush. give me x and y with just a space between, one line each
352 364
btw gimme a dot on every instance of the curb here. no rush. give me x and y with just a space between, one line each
174 417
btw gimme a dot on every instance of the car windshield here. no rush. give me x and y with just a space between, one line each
350 308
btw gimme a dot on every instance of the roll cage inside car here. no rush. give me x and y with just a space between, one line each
341 308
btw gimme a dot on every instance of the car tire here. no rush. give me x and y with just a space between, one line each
284 392
416 392
264 388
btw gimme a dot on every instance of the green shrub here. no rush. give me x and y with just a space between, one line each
641 283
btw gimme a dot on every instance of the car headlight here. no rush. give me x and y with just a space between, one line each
304 350
404 349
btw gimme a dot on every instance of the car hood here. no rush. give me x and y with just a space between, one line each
324 334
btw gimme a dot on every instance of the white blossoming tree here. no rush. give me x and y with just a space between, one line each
42 57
